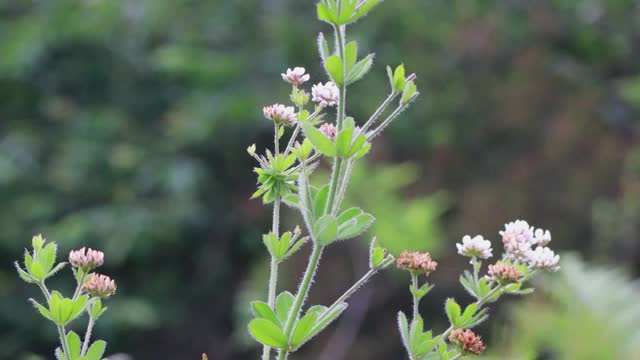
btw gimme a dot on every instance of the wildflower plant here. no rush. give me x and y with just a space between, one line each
519 263
39 265
318 127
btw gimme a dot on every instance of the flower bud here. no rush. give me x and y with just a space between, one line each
417 262
280 114
86 259
504 273
329 130
37 242
468 341
100 286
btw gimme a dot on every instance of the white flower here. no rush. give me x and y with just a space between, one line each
325 95
541 237
517 238
280 114
295 76
476 246
543 258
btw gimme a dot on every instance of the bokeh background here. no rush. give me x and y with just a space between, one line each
124 124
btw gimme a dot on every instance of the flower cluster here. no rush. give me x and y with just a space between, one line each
504 273
100 286
296 76
468 341
417 262
325 95
329 130
519 238
475 247
280 114
86 259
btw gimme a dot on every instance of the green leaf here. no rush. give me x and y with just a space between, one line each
267 333
78 306
263 310
323 47
47 256
376 254
303 327
358 145
73 340
347 11
355 227
320 201
365 8
350 55
469 311
43 310
403 327
363 151
37 271
409 92
325 14
292 200
349 214
325 230
96 350
285 242
319 140
399 79
295 247
453 311
343 141
360 69
271 242
284 301
24 275
60 354
333 65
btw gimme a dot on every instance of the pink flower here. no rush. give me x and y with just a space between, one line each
295 76
280 114
417 262
329 130
86 259
325 95
100 286
543 258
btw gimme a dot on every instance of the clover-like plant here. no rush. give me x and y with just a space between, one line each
284 176
40 265
518 264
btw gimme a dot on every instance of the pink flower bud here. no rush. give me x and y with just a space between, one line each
86 259
100 286
504 273
417 262
280 114
468 341
329 130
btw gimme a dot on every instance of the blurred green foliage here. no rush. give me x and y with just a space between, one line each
123 126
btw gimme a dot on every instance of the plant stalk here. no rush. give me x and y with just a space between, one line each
416 301
87 336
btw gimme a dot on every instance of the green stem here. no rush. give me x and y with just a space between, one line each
333 185
276 139
343 186
87 336
456 356
79 287
63 342
45 291
302 293
387 121
416 301
273 277
294 136
378 111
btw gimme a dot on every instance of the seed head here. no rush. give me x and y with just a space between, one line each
417 262
295 76
468 341
100 286
86 259
325 95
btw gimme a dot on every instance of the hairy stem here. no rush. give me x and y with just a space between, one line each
343 186
416 301
63 342
333 185
379 111
79 287
302 293
87 336
294 136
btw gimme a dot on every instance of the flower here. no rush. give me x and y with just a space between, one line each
517 238
468 341
504 273
325 95
543 258
280 114
295 76
541 237
476 246
417 262
100 286
329 130
86 259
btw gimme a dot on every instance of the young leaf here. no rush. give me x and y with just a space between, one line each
399 79
43 310
360 69
326 319
376 254
268 333
403 327
73 340
96 350
319 140
333 65
409 92
349 214
355 226
453 311
343 141
347 11
325 230
284 301
24 275
365 8
350 55
262 310
326 14
320 201
303 327
469 311
323 48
